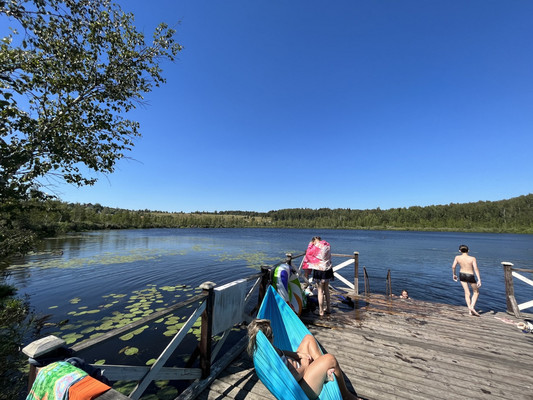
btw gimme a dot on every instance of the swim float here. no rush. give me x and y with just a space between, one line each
286 282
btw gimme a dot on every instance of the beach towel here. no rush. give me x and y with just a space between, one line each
87 388
54 380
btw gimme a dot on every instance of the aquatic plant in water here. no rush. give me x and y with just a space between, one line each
100 259
253 260
122 309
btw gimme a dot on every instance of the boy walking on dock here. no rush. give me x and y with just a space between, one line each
468 266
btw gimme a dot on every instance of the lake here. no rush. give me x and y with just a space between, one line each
95 264
84 280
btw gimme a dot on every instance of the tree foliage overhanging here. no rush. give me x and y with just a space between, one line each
69 70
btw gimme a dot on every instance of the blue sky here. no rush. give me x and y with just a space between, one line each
345 104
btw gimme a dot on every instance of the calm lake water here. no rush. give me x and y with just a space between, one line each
94 281
96 264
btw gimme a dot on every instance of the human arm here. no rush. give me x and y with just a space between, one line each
454 265
476 271
298 356
297 363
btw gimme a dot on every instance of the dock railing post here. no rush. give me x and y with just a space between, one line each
389 284
263 286
47 348
512 305
356 272
367 282
207 329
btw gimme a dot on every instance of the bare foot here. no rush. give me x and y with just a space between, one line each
331 374
474 312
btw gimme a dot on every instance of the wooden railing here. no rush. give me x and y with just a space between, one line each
352 259
509 273
220 309
228 300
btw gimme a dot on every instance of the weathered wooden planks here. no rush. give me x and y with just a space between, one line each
408 349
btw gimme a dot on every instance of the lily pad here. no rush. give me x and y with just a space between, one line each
161 384
131 351
170 332
72 338
124 387
127 336
140 330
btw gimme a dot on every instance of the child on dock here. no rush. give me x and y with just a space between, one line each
308 365
318 258
468 266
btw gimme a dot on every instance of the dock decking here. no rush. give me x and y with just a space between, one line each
409 349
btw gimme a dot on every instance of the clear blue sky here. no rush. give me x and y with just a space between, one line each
345 104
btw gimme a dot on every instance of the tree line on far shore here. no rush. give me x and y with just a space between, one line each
52 217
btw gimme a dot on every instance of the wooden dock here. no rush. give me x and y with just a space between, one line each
388 348
391 348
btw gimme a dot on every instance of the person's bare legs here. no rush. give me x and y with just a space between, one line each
471 310
309 346
473 301
467 293
320 294
326 292
322 364
317 373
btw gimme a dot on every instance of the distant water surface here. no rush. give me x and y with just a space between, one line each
100 263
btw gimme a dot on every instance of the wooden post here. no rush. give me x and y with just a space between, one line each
512 306
367 282
49 347
389 284
356 272
207 329
263 286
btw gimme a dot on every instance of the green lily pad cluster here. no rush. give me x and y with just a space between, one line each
122 309
253 260
104 258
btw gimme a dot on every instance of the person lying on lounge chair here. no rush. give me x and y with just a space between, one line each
308 365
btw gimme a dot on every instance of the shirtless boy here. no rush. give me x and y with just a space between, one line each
468 266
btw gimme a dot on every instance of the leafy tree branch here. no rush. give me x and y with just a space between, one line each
66 82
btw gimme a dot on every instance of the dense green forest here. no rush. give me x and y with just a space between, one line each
52 217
